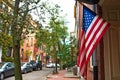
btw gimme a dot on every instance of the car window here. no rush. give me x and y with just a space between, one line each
32 62
10 65
28 64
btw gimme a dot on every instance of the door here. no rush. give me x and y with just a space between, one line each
112 54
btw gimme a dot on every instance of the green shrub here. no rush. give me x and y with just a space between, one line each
7 59
69 64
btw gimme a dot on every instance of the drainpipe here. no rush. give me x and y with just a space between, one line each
94 56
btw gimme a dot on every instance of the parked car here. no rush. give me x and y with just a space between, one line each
36 64
6 69
26 67
39 64
51 65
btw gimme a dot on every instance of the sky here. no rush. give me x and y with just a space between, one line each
68 8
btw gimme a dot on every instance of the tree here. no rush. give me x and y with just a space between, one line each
16 41
19 22
20 25
6 43
27 53
5 37
54 34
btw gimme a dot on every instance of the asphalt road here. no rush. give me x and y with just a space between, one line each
35 75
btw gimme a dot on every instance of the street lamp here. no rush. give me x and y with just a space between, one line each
56 60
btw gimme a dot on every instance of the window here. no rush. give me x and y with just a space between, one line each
31 41
27 43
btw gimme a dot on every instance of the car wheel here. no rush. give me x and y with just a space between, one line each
31 70
40 68
36 69
25 71
2 76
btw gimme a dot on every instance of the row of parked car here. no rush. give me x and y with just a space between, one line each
52 65
7 68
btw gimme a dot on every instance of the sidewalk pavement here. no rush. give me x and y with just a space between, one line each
63 75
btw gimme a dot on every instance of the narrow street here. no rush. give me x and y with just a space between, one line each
35 75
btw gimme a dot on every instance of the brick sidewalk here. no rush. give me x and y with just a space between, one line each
60 76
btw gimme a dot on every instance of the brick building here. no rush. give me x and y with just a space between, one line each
108 50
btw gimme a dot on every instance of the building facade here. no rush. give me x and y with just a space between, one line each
29 50
108 50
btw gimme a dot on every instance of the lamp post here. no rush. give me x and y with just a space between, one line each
56 60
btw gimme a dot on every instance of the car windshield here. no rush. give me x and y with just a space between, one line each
32 62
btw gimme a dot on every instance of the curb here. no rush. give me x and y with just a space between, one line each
49 76
71 75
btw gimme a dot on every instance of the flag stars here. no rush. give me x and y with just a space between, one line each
87 19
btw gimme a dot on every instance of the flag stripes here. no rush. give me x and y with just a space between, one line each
93 29
82 55
95 33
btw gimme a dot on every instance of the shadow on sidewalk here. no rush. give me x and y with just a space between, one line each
63 75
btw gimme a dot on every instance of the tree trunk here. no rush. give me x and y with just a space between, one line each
56 71
16 42
18 75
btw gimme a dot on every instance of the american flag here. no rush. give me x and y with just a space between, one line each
93 29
